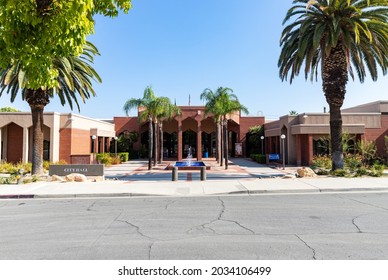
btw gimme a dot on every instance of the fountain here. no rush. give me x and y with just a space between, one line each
189 163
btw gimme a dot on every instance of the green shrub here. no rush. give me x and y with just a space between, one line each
377 170
353 162
323 162
259 158
123 156
361 171
8 168
104 158
340 172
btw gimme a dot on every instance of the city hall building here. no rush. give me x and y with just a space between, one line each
195 130
76 139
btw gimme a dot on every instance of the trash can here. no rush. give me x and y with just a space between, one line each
205 154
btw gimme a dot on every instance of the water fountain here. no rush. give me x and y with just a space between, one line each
189 163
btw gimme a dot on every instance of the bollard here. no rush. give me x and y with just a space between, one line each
20 176
175 173
203 173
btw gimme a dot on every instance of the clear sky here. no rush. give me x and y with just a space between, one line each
181 47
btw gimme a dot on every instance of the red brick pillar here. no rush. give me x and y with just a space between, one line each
180 140
298 150
310 148
199 141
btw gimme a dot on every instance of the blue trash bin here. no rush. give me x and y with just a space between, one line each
205 154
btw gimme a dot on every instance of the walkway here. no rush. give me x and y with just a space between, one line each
238 169
243 177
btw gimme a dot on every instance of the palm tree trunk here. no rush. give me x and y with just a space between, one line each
217 142
161 142
155 142
334 80
150 144
37 99
226 142
221 144
336 138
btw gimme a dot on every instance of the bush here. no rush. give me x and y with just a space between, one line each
104 158
259 158
377 170
11 168
116 160
123 156
340 172
8 168
323 162
361 171
353 162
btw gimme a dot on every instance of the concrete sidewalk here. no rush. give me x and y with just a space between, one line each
242 177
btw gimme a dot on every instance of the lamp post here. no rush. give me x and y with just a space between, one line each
283 137
94 137
115 146
262 145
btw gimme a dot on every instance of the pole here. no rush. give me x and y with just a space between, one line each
284 156
116 146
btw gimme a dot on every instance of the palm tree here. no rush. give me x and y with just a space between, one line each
151 107
336 37
74 79
211 97
227 103
222 103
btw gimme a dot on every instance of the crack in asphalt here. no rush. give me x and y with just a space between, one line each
106 228
354 223
91 206
139 232
308 246
169 204
206 226
364 203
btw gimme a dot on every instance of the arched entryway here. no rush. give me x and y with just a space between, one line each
189 141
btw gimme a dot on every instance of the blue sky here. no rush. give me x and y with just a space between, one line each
181 47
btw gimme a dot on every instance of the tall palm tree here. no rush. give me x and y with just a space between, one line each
226 104
336 37
211 97
151 107
222 103
74 80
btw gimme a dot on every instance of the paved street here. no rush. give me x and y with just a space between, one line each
298 226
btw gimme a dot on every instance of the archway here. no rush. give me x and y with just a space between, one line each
189 141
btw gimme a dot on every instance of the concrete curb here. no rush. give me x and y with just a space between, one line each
241 192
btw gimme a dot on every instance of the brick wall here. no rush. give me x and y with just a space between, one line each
245 124
65 145
80 142
377 134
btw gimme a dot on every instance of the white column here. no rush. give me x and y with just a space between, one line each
25 144
55 138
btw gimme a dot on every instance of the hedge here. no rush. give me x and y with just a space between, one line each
259 158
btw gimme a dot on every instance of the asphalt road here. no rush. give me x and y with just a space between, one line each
304 226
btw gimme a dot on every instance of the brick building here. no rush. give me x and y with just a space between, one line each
76 138
191 129
304 132
67 137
